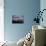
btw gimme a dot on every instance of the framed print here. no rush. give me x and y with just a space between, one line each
17 19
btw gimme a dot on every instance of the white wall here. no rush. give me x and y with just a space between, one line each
1 20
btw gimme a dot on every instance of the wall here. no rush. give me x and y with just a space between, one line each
13 32
1 20
43 6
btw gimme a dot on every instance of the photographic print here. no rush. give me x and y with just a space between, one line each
17 19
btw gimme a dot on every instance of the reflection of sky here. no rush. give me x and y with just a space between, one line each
17 18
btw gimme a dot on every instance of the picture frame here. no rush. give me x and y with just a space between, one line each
17 19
